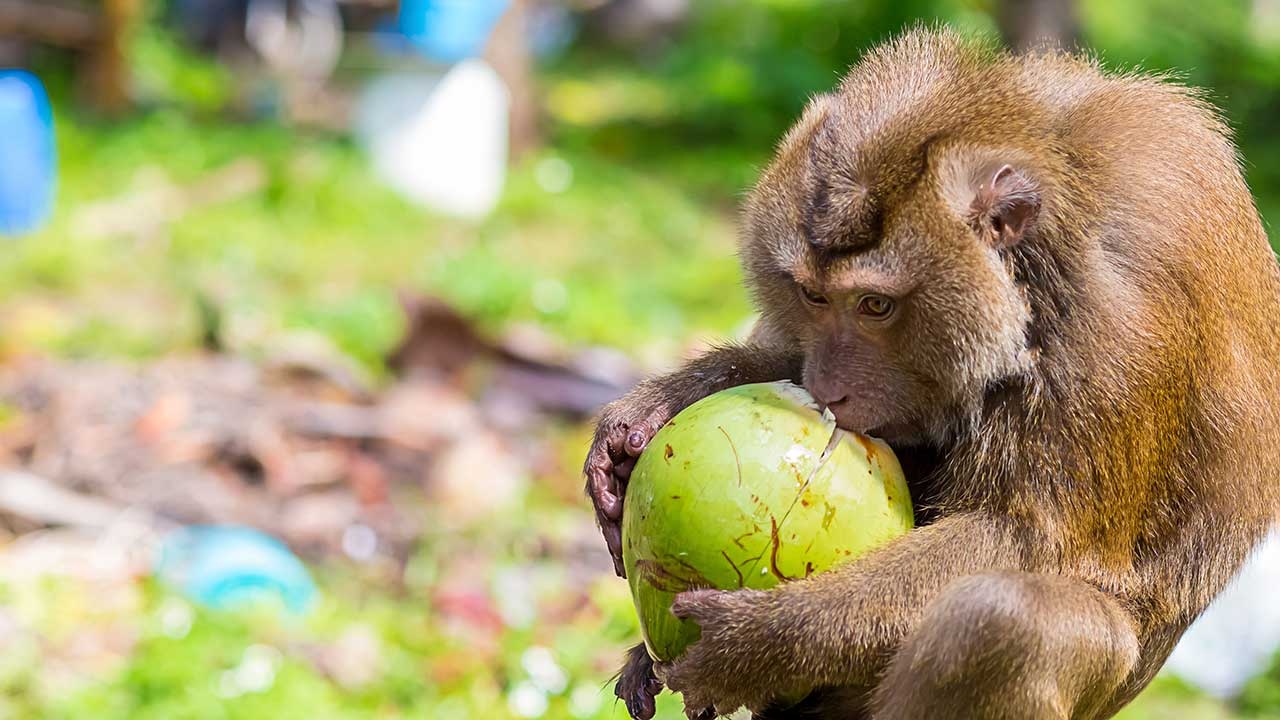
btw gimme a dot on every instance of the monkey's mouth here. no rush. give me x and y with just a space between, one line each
895 434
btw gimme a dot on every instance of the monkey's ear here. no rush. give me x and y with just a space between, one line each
1005 205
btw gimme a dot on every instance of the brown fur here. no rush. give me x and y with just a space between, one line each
1080 376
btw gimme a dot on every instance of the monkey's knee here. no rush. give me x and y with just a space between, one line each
1010 645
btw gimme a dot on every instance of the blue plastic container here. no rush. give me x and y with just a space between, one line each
449 31
226 567
27 160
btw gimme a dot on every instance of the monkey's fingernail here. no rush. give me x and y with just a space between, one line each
636 442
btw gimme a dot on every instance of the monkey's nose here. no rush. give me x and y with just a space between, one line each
834 405
842 408
839 407
826 394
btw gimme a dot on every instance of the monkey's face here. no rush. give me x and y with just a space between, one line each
905 305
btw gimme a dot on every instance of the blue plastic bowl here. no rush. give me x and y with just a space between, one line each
449 31
227 567
28 168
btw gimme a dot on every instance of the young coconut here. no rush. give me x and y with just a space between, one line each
748 488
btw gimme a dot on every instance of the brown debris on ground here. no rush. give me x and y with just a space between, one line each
296 446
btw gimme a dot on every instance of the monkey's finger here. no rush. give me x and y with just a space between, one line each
636 440
637 710
640 435
612 533
689 605
624 468
643 431
616 441
640 703
599 471
642 706
613 538
604 493
654 686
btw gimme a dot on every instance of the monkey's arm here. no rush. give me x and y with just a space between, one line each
626 425
833 629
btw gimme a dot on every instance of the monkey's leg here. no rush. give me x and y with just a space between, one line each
1011 646
846 703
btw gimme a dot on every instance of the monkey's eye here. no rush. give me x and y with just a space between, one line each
813 298
876 307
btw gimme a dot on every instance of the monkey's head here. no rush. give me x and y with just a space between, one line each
886 253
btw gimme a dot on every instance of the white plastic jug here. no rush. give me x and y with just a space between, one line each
440 141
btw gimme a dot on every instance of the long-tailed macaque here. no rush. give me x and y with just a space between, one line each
1048 289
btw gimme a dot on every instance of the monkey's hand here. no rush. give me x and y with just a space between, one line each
627 425
625 428
726 669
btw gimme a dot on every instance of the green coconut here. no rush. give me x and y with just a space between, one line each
749 488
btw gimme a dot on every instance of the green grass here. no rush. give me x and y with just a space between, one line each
429 662
189 663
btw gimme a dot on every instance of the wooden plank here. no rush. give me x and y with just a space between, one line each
49 21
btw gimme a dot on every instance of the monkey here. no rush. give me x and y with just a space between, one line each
1047 287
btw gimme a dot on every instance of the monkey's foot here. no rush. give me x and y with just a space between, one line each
637 686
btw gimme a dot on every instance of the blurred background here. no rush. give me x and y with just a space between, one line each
305 306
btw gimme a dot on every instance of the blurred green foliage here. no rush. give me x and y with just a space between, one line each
738 77
1231 49
619 255
636 250
1260 697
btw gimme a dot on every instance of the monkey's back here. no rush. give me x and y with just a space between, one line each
1172 332
1177 223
